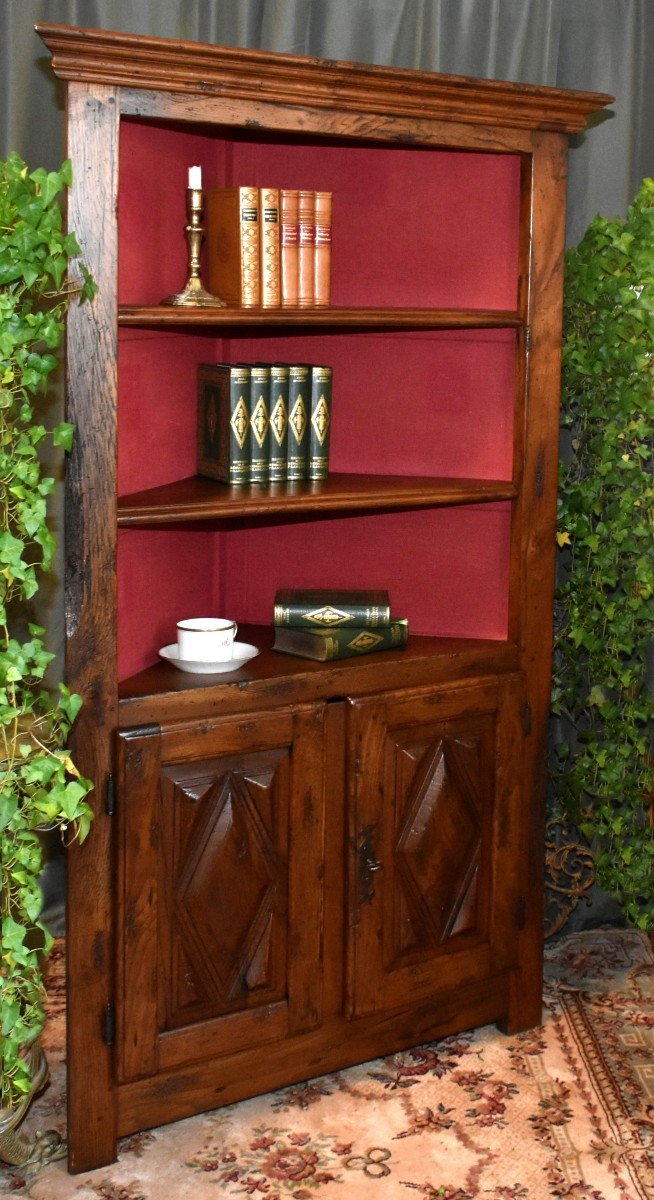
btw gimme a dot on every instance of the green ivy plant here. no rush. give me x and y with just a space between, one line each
604 615
40 787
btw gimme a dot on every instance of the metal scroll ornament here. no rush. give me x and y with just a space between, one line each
569 873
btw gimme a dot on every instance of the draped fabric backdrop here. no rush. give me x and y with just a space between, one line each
595 45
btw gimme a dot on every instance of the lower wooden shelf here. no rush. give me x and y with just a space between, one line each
162 692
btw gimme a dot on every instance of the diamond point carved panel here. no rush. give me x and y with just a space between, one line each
438 846
225 893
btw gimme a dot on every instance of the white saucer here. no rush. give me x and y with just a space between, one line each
243 652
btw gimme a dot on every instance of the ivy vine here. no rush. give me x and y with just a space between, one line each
604 616
40 786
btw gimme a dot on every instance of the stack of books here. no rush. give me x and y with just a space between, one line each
325 625
269 247
264 422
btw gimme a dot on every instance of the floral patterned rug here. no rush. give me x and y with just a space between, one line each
565 1111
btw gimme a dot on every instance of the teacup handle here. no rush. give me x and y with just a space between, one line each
235 628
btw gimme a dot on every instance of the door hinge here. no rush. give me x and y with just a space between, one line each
109 1025
110 797
527 339
367 864
526 719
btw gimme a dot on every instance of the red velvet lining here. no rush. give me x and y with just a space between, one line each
405 402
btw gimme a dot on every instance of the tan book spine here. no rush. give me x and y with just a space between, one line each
288 215
323 251
271 292
232 242
306 248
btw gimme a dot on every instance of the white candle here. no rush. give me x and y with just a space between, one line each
195 177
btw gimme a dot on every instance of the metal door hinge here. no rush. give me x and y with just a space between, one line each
110 797
527 339
109 1025
526 719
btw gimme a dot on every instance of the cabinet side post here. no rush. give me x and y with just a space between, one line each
533 550
90 600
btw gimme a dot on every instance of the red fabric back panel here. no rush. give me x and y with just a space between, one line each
405 402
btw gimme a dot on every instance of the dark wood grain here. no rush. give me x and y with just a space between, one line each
421 760
200 499
357 318
176 66
90 600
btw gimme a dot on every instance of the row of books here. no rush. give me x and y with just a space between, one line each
264 422
325 625
268 247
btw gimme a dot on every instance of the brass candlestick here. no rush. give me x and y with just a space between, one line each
194 294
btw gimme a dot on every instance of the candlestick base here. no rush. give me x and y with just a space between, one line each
195 295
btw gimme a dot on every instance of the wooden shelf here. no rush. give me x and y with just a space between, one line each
427 318
200 499
162 692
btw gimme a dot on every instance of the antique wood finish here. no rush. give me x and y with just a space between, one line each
175 66
223 924
310 863
359 318
199 499
533 551
90 588
432 810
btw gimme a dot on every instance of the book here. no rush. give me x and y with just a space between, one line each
288 237
299 385
324 608
279 375
340 643
322 291
223 447
259 423
320 419
306 248
269 248
232 244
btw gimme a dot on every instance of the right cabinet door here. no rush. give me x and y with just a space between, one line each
435 841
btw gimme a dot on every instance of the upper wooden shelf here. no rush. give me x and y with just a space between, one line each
267 80
428 318
200 499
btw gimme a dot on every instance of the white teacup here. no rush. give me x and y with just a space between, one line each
206 639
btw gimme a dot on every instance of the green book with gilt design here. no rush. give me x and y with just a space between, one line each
279 375
260 423
223 436
328 644
330 609
320 419
299 400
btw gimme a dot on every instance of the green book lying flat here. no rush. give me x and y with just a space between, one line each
328 644
328 609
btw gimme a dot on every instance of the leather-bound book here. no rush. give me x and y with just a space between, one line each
329 608
329 644
224 422
259 423
306 249
320 420
299 398
289 233
279 374
323 251
232 245
269 248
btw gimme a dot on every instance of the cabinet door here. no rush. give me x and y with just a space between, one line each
434 837
221 853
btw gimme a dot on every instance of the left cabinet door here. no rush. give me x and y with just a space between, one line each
220 884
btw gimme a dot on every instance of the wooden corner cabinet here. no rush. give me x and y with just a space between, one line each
297 866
